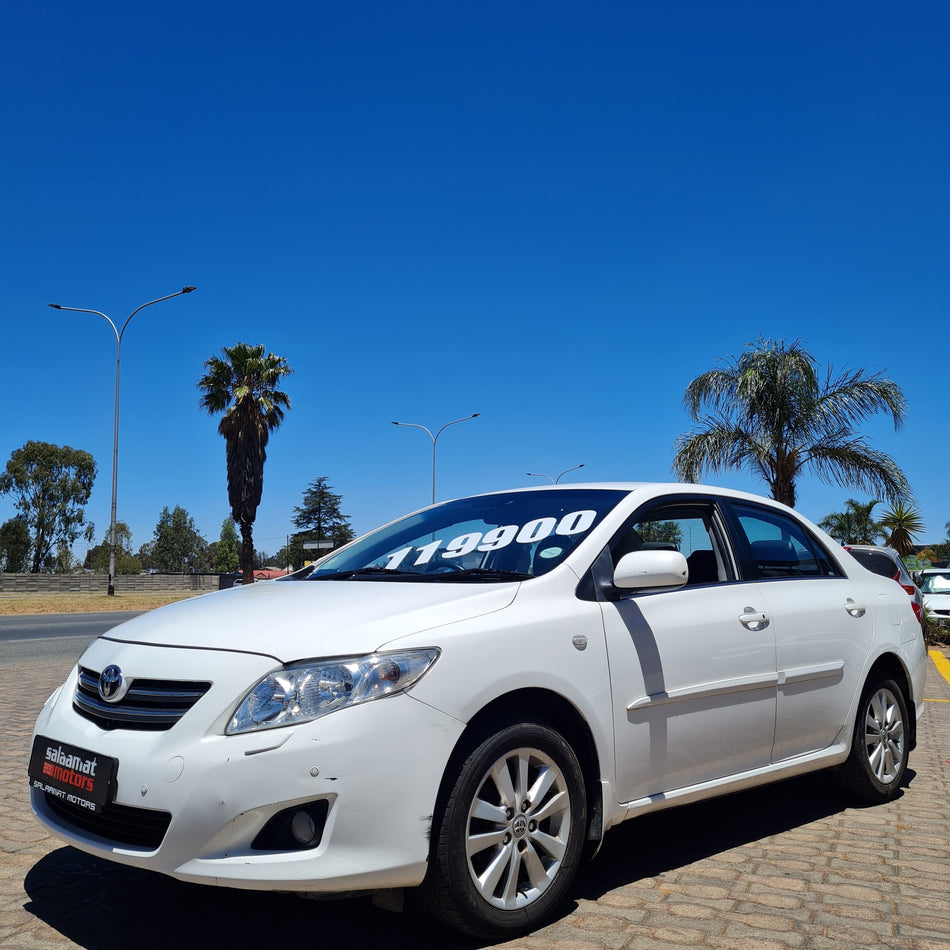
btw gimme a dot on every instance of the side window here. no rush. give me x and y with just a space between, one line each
781 547
688 529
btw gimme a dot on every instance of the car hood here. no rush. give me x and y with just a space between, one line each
292 620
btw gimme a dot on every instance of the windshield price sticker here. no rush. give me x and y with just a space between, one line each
576 522
71 774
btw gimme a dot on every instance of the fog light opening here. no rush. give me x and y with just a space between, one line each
303 828
298 828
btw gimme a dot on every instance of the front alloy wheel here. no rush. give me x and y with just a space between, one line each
511 835
518 828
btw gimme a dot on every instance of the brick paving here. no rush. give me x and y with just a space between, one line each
785 866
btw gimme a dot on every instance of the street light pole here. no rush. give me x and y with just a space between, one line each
553 480
115 434
414 425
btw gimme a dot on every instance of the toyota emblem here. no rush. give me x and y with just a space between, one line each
112 684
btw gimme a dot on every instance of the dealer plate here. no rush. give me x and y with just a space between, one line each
74 775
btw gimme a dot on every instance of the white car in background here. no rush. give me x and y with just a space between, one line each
464 701
935 586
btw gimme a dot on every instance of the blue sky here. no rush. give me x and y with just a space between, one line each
554 214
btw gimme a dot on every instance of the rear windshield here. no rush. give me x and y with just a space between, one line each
878 563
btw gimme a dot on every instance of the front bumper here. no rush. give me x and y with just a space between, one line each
378 766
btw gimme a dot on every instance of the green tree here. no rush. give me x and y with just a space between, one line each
854 525
177 544
902 524
244 385
145 555
770 413
97 558
942 548
292 554
320 518
63 561
226 559
14 546
51 485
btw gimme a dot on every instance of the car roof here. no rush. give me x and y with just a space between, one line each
681 488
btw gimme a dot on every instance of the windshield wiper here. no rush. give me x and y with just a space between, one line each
490 573
382 573
363 572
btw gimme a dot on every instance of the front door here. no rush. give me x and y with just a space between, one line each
692 670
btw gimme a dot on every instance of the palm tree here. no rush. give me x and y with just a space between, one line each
854 525
244 386
904 524
773 415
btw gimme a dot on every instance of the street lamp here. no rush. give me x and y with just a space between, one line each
554 481
115 436
413 425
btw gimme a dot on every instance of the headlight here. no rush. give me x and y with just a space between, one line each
305 691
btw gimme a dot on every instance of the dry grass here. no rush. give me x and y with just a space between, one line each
17 604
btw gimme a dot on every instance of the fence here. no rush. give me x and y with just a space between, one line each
99 583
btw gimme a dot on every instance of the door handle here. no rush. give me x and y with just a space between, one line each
753 619
854 608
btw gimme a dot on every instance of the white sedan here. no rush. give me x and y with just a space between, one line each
463 701
935 586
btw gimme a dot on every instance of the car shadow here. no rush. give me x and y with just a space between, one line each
665 840
101 906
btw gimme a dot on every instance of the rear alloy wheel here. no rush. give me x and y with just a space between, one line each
511 835
879 747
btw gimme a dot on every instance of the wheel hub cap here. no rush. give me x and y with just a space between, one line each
884 737
519 824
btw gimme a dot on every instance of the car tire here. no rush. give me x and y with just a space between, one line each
509 839
880 745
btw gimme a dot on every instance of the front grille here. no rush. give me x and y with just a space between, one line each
121 824
153 705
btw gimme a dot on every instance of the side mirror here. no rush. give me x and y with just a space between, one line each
646 569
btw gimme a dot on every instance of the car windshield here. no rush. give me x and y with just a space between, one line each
505 536
935 583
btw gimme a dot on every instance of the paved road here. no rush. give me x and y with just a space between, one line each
786 866
54 635
44 626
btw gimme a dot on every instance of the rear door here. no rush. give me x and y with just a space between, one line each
821 623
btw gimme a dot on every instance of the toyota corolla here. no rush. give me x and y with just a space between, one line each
464 701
